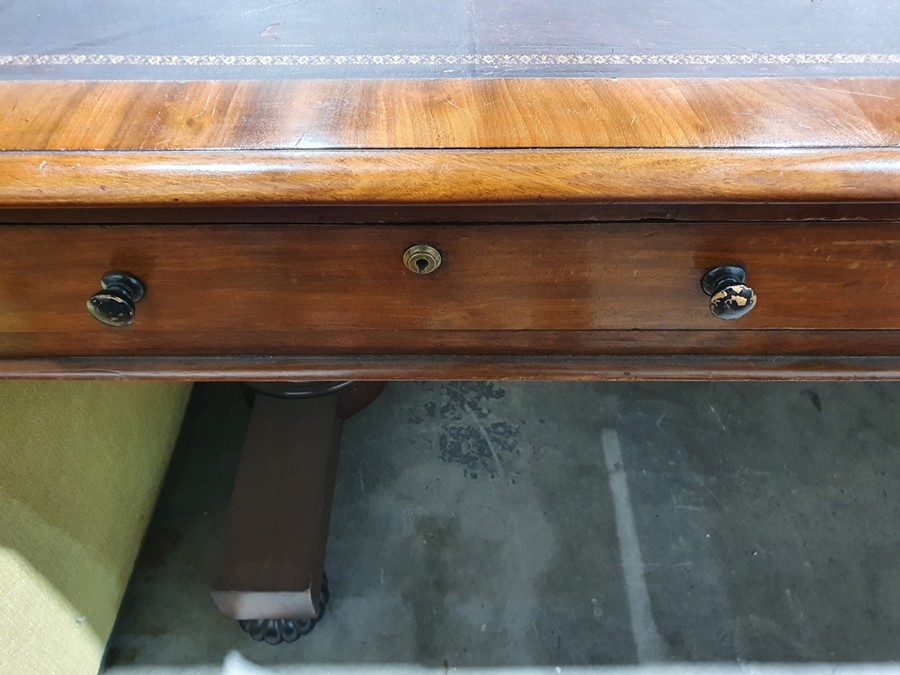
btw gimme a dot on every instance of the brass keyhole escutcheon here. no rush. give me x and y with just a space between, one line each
422 259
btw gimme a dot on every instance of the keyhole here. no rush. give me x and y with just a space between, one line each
422 259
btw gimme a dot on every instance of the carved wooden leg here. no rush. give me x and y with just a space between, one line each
270 575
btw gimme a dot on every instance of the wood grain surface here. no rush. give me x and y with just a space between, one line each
381 367
539 345
271 561
597 299
451 114
459 141
502 289
243 178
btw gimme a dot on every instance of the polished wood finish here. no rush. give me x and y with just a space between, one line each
501 141
501 289
633 190
499 367
450 114
496 344
128 179
276 528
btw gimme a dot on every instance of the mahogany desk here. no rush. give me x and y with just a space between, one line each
578 168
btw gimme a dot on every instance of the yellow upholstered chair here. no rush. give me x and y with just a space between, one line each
80 468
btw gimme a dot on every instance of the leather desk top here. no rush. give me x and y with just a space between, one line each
349 39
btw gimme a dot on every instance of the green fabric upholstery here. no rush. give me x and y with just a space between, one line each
80 468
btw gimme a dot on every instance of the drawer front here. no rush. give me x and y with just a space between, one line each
323 289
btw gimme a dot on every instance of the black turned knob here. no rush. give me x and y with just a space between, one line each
114 305
729 295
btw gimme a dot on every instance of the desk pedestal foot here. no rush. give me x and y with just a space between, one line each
270 574
276 631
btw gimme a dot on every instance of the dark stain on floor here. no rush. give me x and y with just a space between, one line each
467 436
477 447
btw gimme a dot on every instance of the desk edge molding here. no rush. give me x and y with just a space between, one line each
235 178
377 368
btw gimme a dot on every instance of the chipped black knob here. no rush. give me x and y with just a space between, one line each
114 305
729 295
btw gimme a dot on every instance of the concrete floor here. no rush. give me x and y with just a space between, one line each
554 525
